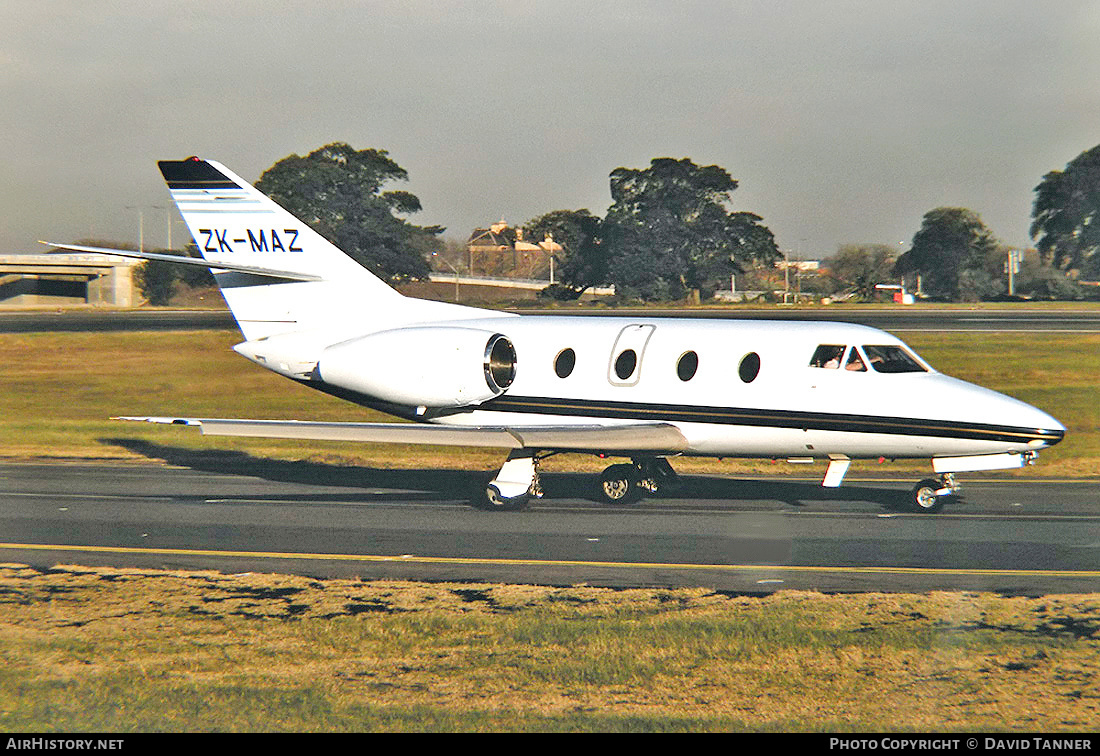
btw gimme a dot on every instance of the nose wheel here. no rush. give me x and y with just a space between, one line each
930 495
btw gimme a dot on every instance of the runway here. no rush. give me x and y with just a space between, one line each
238 514
916 319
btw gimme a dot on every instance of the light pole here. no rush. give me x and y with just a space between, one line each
141 225
448 264
1012 267
786 275
141 222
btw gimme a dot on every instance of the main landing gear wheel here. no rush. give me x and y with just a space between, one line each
930 495
619 484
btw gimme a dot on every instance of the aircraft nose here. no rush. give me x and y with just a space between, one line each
1051 428
1044 430
1041 429
983 405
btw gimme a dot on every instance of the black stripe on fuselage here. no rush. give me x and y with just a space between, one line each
901 426
823 421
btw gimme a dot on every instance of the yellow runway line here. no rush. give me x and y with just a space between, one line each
412 559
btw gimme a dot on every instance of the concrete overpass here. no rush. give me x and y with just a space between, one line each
67 279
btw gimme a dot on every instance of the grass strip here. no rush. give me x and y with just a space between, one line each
96 649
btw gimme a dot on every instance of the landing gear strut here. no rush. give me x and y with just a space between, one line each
627 483
515 484
930 495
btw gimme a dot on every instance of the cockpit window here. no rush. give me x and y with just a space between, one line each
827 356
855 362
892 359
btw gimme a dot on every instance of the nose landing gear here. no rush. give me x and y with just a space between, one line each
930 495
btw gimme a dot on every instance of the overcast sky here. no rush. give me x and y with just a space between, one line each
843 121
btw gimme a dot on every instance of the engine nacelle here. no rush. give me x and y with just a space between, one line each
424 366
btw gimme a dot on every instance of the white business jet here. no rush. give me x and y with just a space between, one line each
643 389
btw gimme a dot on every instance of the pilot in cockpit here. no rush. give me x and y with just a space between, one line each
827 356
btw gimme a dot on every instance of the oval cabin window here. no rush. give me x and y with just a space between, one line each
565 362
625 364
749 367
686 367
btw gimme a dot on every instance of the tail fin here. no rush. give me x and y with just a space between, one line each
235 224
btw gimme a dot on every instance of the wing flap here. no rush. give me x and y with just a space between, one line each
639 437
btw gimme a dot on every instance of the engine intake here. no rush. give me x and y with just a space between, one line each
500 363
423 366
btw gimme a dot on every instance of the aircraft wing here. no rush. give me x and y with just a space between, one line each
638 437
196 261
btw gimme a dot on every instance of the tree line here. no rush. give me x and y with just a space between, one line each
669 233
672 233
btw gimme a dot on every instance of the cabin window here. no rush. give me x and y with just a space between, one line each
892 359
827 356
625 364
565 362
688 364
749 367
855 362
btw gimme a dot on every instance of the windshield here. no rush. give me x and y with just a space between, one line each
892 359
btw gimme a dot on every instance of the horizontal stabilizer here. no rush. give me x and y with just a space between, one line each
256 271
641 437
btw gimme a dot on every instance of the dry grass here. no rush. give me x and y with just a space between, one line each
138 650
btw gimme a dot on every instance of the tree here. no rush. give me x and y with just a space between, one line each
1066 214
338 191
581 263
669 231
951 242
859 267
159 280
1038 279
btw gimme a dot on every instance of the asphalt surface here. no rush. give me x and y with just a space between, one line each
234 513
915 319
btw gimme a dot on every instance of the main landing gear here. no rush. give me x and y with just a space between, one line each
627 483
930 494
518 482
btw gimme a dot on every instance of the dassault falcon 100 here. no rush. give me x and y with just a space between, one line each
642 389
